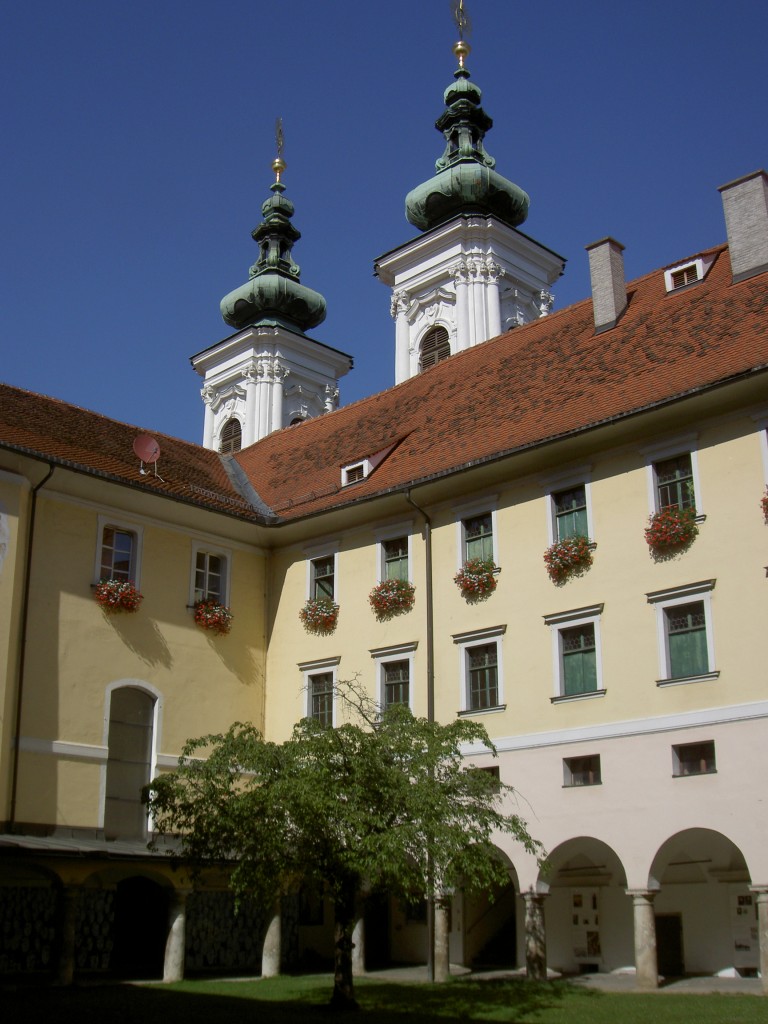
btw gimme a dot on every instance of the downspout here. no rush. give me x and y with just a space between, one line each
430 712
23 647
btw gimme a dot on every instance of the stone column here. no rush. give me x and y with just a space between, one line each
399 310
761 897
208 395
278 375
646 962
535 936
65 969
175 943
358 947
250 378
493 272
442 938
262 428
270 954
475 267
461 284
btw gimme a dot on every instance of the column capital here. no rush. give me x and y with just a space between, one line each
398 304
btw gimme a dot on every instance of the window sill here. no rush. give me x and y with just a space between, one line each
471 712
705 677
581 785
693 775
566 697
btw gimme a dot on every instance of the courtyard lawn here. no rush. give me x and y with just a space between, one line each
303 1000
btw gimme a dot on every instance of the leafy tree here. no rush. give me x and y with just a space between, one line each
376 804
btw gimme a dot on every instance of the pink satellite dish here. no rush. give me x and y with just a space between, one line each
146 448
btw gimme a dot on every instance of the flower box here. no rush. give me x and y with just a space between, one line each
118 595
671 529
214 616
569 557
477 577
391 597
319 615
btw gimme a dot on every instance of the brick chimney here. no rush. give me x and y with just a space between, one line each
745 204
609 290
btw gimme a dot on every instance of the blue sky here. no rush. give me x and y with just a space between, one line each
138 139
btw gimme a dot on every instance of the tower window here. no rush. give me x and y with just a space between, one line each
231 437
434 347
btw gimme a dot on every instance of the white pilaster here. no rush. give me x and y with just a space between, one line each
399 312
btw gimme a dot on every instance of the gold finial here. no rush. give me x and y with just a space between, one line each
278 164
463 24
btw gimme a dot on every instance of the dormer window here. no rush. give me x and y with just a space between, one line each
357 471
685 274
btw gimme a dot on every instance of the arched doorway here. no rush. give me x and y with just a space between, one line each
485 925
706 917
588 914
141 920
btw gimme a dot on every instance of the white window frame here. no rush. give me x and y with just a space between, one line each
482 507
465 642
403 530
661 600
386 655
687 445
559 621
113 522
364 464
314 554
316 668
567 484
200 547
701 265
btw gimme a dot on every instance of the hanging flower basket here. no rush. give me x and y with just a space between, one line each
670 530
319 615
569 557
764 506
477 578
391 597
118 595
214 616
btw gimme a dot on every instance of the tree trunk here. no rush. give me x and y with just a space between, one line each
343 997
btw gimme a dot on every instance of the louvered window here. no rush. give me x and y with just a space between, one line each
435 347
231 437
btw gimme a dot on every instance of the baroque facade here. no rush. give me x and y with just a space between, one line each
601 469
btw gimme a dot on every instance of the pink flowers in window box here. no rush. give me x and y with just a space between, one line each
214 616
118 595
477 577
671 529
569 557
391 597
319 615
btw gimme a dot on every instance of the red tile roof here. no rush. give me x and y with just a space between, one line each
547 379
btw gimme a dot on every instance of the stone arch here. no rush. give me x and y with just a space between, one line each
588 915
485 928
705 915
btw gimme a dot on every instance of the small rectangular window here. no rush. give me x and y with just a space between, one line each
582 771
354 473
482 672
322 577
396 683
118 554
571 512
210 577
674 482
321 698
478 537
686 626
396 559
693 758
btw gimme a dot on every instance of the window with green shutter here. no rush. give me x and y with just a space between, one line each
674 482
478 537
396 559
687 640
579 658
571 513
482 663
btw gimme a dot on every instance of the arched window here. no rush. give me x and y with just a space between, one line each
231 437
129 761
434 347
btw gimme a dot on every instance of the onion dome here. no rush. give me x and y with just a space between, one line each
273 293
466 181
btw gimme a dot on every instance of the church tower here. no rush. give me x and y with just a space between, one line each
269 374
471 275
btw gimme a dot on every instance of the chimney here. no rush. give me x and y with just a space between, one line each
745 204
609 292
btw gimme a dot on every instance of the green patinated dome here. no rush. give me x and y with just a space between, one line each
466 181
273 292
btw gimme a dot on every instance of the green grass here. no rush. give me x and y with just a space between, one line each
304 1001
